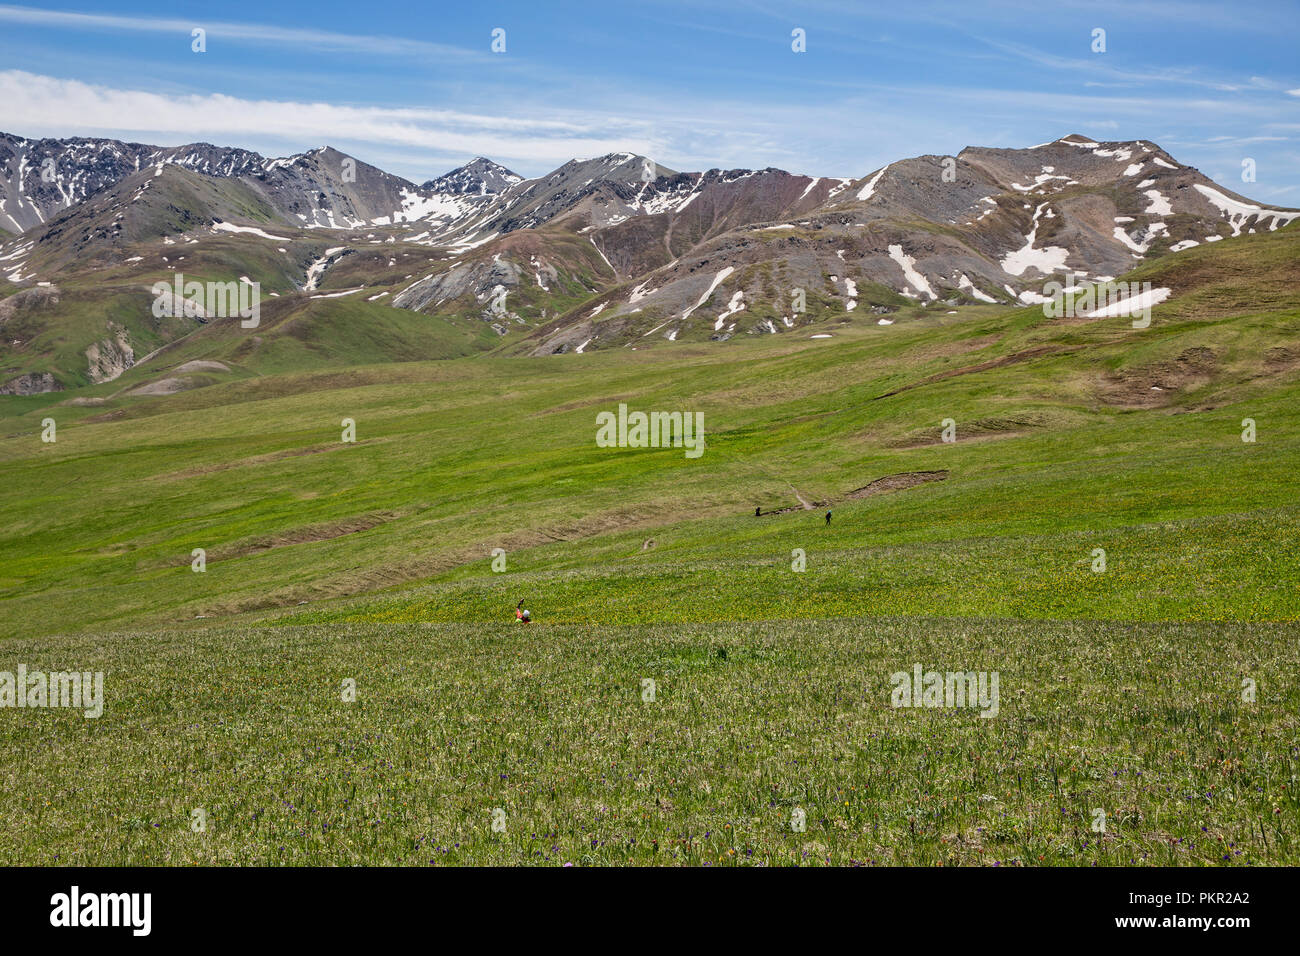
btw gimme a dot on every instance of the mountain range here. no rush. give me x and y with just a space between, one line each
613 252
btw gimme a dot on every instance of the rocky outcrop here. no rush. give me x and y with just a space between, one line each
28 300
110 357
33 383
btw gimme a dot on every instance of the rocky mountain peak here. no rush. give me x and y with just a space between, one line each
479 177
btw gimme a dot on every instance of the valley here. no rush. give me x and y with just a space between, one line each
234 522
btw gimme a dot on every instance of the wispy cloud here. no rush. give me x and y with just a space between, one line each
532 139
1098 65
254 33
29 101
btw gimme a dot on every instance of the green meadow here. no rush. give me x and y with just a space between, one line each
1097 532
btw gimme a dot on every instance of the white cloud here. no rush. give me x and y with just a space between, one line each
239 32
534 138
31 102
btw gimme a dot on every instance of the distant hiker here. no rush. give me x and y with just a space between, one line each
828 517
758 511
521 613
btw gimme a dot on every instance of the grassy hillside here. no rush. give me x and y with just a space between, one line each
372 559
1070 436
297 330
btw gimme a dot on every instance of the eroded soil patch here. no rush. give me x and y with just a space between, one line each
1026 355
1153 386
907 479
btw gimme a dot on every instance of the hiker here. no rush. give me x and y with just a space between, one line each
521 613
828 517
758 511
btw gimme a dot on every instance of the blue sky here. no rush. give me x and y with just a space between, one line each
416 89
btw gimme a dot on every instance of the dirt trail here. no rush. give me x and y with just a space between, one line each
806 506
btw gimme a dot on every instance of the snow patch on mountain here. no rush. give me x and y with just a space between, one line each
1238 213
717 280
253 230
966 285
908 265
869 190
737 304
1046 260
1159 204
1131 305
